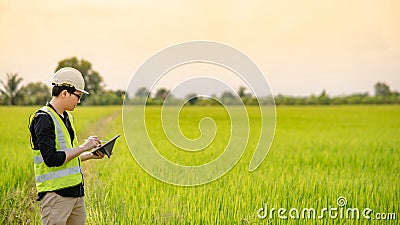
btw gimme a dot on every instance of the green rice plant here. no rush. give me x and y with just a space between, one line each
318 155
18 194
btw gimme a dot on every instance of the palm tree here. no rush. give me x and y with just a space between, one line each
11 89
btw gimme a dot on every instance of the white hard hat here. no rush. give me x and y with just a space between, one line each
71 77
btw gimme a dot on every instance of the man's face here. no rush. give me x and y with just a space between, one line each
73 100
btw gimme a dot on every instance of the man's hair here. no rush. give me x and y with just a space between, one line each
58 89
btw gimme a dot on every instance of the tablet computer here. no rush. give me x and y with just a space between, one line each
107 147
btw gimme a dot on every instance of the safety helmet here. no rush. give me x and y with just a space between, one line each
70 77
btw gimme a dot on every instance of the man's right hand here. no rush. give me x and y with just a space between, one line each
90 143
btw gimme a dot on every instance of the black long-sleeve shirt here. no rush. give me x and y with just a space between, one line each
43 138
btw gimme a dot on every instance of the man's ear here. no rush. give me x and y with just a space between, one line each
64 93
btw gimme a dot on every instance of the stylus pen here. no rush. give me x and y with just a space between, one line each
99 140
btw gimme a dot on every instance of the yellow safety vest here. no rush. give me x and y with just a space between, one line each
67 175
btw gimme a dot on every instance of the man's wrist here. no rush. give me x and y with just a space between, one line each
81 149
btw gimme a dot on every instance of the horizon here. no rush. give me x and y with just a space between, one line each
182 95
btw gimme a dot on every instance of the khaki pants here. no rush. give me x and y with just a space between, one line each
56 209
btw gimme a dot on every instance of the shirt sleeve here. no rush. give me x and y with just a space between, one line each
43 127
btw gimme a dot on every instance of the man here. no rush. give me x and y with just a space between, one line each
57 155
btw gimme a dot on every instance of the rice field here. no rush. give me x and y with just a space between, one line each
318 155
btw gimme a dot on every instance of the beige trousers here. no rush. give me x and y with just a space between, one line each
58 210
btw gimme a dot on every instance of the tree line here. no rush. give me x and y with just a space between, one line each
12 92
382 95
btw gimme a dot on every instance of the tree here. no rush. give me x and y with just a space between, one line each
192 98
108 97
161 93
142 92
246 98
323 98
93 80
11 89
2 100
241 92
382 89
36 93
228 98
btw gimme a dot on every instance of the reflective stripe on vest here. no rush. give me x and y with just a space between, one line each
67 175
58 174
59 132
39 159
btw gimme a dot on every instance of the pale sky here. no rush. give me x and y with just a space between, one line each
302 47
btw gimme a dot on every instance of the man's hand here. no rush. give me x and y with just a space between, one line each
90 143
89 155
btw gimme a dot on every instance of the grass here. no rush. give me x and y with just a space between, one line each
318 154
18 194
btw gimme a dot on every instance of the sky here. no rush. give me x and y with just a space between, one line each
302 47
